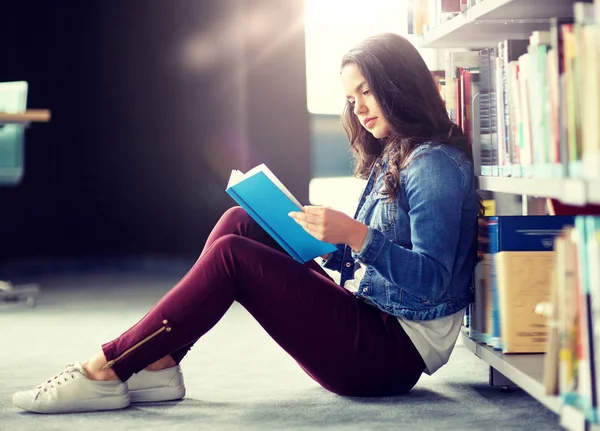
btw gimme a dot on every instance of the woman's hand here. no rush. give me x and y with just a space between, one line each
331 226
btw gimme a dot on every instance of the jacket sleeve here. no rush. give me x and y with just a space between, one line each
434 190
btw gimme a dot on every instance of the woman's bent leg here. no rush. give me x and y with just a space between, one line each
347 346
237 221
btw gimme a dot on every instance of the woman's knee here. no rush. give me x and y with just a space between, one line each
232 244
235 214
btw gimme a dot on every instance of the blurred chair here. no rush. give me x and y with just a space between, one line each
13 100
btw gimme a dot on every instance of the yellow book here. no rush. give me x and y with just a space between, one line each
524 280
567 315
551 360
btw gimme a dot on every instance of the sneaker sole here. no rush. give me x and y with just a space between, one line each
94 405
154 395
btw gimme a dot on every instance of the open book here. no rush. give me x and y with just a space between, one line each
269 202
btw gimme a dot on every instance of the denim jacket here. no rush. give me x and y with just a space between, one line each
420 249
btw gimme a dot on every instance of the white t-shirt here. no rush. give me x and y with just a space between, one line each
433 339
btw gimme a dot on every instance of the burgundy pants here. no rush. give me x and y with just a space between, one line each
347 346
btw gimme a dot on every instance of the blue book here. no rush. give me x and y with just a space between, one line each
525 233
269 202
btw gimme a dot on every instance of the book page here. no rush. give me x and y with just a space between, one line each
236 176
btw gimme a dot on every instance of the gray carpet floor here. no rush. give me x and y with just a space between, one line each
237 378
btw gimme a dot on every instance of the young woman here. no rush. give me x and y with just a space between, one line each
405 260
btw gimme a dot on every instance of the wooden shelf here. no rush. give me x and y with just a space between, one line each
567 190
29 116
491 21
524 370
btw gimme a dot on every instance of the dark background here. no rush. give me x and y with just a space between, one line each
153 103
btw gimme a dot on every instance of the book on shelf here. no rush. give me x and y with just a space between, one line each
552 356
568 321
592 267
269 203
509 51
538 102
479 309
557 110
586 370
578 316
469 83
523 281
455 63
517 235
587 70
487 112
482 305
539 138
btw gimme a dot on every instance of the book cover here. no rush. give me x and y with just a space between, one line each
586 372
551 359
524 281
567 319
526 233
525 149
590 100
509 51
517 233
516 118
470 87
481 305
537 51
559 114
455 60
593 276
487 112
268 202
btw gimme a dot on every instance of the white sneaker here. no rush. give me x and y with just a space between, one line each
154 386
71 391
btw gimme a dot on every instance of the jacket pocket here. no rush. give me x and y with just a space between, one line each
383 213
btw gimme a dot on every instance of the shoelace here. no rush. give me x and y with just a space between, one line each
59 379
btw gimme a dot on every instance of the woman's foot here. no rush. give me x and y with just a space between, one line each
154 386
73 391
94 368
161 364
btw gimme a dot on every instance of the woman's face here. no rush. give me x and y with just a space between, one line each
363 102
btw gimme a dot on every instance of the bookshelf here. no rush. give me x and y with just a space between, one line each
568 190
527 372
524 370
483 25
491 21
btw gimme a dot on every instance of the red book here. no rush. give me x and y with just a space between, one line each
467 105
458 97
556 207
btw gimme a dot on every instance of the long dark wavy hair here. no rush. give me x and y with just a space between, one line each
406 91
